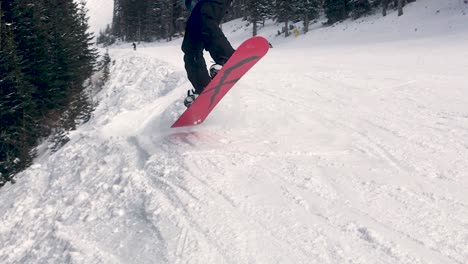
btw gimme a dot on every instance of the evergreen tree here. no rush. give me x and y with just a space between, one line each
284 11
16 106
336 10
105 37
307 10
45 55
258 11
106 66
359 8
148 20
238 9
397 4
30 27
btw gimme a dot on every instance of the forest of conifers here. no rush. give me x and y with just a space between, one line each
46 55
149 20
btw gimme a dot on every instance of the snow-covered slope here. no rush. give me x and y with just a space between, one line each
347 145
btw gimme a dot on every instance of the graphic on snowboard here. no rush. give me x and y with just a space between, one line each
243 59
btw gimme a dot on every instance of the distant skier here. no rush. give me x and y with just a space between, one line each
134 46
203 32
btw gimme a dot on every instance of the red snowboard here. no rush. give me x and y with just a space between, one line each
248 53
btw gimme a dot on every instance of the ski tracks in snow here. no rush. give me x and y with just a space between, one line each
316 165
399 164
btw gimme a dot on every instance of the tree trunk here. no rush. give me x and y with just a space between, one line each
254 33
170 30
286 28
139 30
254 20
384 7
400 7
306 23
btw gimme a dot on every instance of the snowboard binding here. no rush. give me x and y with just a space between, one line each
214 69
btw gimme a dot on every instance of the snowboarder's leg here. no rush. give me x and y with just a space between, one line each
214 40
196 70
203 32
192 46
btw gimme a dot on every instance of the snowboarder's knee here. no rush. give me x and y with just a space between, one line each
193 59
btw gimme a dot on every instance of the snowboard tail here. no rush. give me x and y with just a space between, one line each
243 59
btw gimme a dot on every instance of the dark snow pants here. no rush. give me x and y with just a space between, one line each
203 32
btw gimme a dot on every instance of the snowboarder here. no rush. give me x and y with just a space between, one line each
134 46
203 32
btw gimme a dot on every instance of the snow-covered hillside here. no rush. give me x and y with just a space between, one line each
347 145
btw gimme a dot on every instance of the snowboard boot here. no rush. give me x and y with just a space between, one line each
191 96
214 69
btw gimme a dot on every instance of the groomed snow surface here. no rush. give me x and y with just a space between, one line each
346 145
